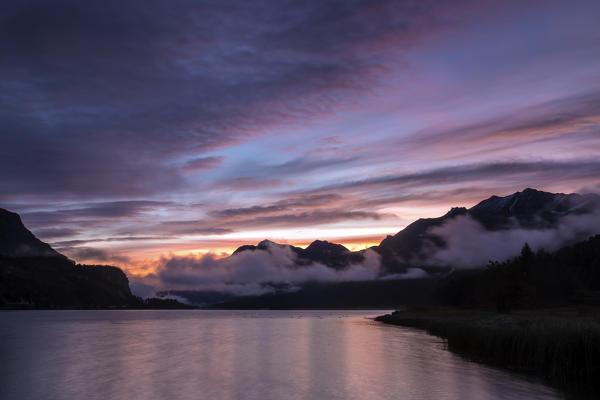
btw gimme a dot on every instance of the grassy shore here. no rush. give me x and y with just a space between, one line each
559 346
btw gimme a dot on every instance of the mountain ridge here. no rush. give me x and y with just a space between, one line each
33 273
528 209
16 240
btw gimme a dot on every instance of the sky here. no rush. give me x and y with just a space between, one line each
134 131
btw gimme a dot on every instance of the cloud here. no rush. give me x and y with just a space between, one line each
106 107
260 217
82 254
291 211
253 272
573 118
247 183
190 227
51 233
470 245
202 164
259 174
140 287
538 173
100 99
103 210
77 242
304 165
279 206
316 217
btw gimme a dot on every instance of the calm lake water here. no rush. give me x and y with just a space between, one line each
236 355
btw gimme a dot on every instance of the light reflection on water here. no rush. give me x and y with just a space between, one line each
236 355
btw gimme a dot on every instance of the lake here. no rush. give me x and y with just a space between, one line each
196 354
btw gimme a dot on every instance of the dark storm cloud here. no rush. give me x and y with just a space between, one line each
97 97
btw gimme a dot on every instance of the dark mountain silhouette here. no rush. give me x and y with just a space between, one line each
34 275
399 251
568 277
265 245
529 209
16 240
59 282
332 255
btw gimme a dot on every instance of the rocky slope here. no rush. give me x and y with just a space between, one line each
33 275
16 240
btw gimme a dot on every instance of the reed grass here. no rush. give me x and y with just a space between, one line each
564 351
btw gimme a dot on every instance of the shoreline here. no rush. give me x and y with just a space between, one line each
191 307
562 348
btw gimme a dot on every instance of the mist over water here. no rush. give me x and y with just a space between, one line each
236 355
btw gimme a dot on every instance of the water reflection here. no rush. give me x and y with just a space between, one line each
235 355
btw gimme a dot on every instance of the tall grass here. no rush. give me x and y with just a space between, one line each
564 351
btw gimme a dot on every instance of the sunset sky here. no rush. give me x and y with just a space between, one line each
140 129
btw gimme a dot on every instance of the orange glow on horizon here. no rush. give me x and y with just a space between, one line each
143 262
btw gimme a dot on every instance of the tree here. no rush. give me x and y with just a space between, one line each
527 254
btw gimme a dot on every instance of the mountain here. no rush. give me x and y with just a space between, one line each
529 209
323 252
16 240
567 277
34 275
331 254
399 251
532 209
58 282
266 245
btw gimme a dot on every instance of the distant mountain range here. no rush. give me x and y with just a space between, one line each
529 209
32 273
331 254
